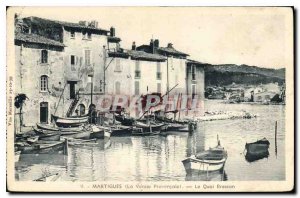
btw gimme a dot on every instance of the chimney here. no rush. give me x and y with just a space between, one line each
133 46
170 45
112 31
156 43
94 24
152 46
83 23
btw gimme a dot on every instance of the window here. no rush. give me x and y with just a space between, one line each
193 72
117 87
158 73
137 88
44 58
72 34
44 83
87 57
158 88
137 69
193 91
81 109
137 74
118 65
72 60
89 36
83 35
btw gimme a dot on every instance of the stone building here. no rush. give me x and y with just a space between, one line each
65 68
84 59
37 60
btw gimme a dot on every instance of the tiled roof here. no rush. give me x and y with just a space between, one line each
172 51
145 56
137 55
33 38
67 24
190 61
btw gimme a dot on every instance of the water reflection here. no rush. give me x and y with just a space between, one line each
252 158
159 158
206 176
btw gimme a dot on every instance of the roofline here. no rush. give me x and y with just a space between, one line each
61 45
68 24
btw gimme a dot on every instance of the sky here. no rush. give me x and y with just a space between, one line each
253 36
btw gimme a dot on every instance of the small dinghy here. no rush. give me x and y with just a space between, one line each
47 135
210 160
120 130
70 121
99 132
257 150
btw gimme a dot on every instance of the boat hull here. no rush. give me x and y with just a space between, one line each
100 134
70 121
50 137
193 164
123 131
46 148
76 135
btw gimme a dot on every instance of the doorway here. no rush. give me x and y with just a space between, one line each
44 112
72 89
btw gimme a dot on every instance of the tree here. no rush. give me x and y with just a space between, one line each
19 102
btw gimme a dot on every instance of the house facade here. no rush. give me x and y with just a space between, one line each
84 59
37 60
66 68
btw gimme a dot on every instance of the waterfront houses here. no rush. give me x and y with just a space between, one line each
66 68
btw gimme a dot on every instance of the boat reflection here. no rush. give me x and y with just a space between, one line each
53 159
254 157
206 176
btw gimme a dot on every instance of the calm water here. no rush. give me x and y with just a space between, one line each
158 158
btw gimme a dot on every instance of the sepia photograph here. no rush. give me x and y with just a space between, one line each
150 99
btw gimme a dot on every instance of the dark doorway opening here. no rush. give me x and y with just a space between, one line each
44 112
72 89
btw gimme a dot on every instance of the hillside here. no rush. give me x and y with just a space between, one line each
222 75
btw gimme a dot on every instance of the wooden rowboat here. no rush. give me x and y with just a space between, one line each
70 121
257 150
47 135
120 130
43 147
210 160
100 132
55 128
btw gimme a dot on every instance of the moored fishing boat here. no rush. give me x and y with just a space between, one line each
126 121
32 139
47 127
85 134
43 147
47 135
258 147
100 132
212 159
257 150
120 130
70 121
149 126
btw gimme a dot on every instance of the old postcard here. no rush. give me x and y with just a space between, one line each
150 99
